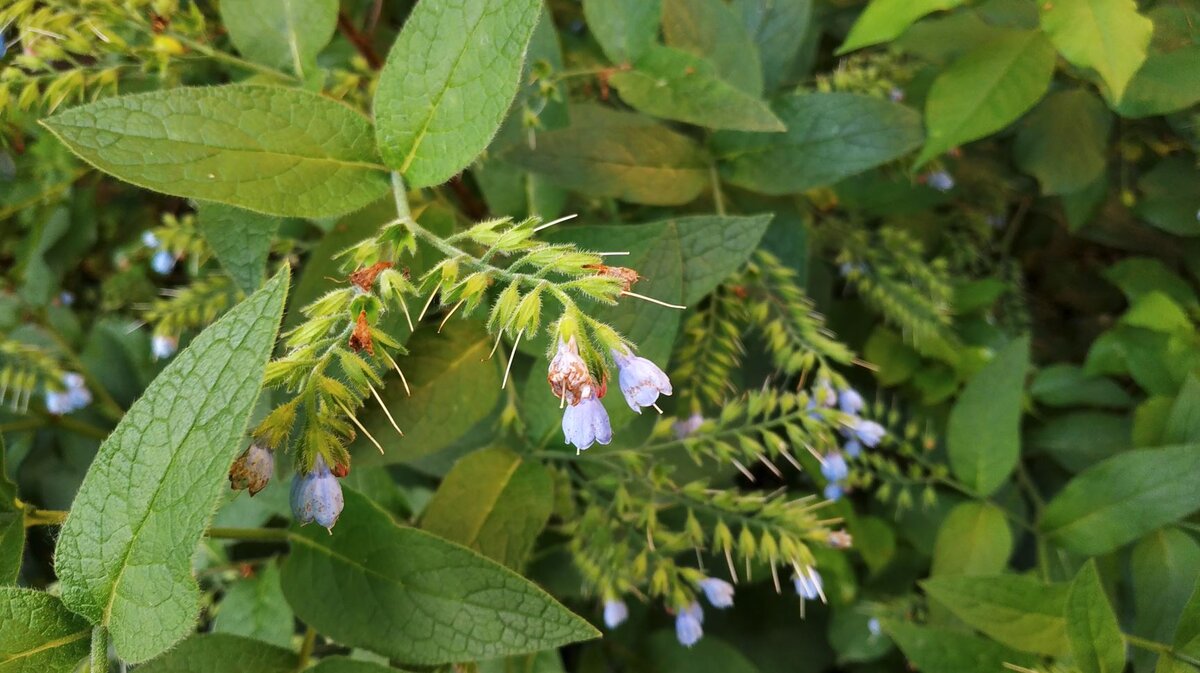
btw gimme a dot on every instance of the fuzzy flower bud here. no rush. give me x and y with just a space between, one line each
809 585
253 469
641 380
615 612
317 496
689 625
568 373
163 346
718 592
586 423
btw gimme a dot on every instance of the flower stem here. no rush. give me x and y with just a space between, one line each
250 534
306 648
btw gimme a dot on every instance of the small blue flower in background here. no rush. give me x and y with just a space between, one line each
833 491
66 298
688 426
73 398
809 585
869 433
163 346
150 240
835 468
940 180
853 448
615 613
873 627
162 262
850 402
847 269
689 625
586 423
641 380
317 496
896 94
718 592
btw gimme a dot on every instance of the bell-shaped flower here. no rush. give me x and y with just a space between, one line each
615 612
689 625
833 491
809 585
150 240
718 592
73 397
850 401
586 423
568 373
163 346
317 496
253 469
687 427
641 380
853 448
162 262
835 468
869 433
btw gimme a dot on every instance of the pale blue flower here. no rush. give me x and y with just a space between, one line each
833 491
853 448
940 180
615 613
873 627
163 346
150 240
688 426
835 468
689 625
317 496
74 397
896 94
66 298
850 402
809 585
586 423
869 433
824 394
162 262
641 380
718 592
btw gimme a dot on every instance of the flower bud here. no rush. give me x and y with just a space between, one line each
718 592
641 380
586 423
253 469
615 612
317 496
689 625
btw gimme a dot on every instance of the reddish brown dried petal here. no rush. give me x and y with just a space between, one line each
365 278
360 338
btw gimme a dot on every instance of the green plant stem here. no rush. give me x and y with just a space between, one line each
42 517
250 534
306 648
77 426
1162 648
30 423
218 55
718 198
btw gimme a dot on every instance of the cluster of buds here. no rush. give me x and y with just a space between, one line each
73 397
859 433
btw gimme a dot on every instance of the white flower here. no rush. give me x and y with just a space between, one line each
688 625
586 423
568 373
850 402
809 585
718 592
163 346
641 380
615 613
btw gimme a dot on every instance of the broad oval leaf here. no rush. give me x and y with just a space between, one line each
673 84
1165 83
625 29
448 82
124 554
1163 568
241 241
1108 36
1097 645
709 29
281 33
1064 141
987 89
623 156
830 136
38 634
269 149
1123 498
415 597
938 650
1019 611
341 664
974 539
222 653
779 28
983 435
885 20
254 607
494 502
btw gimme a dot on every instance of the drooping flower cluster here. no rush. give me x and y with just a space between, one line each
317 496
859 432
74 397
689 619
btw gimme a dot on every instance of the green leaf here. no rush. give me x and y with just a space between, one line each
222 653
454 386
710 30
779 28
12 525
1123 498
38 634
1183 422
1064 141
896 361
1139 276
540 662
494 502
983 435
281 33
348 665
1171 196
623 156
936 650
1163 568
830 136
256 608
1092 630
974 539
710 655
448 82
625 29
714 247
240 239
1064 385
885 20
414 597
673 84
1108 36
268 149
124 555
1081 439
986 90
1164 84
1016 610
1187 637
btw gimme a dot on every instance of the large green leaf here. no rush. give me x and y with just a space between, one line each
983 435
1097 645
12 525
830 136
624 156
974 539
885 20
281 33
38 634
1171 196
415 597
672 84
1108 36
124 554
779 28
256 608
1163 568
987 89
222 653
1080 439
1187 638
1064 385
625 29
1165 83
1064 141
240 239
710 655
1123 498
494 502
709 29
269 149
713 247
1019 611
448 82
348 665
936 650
